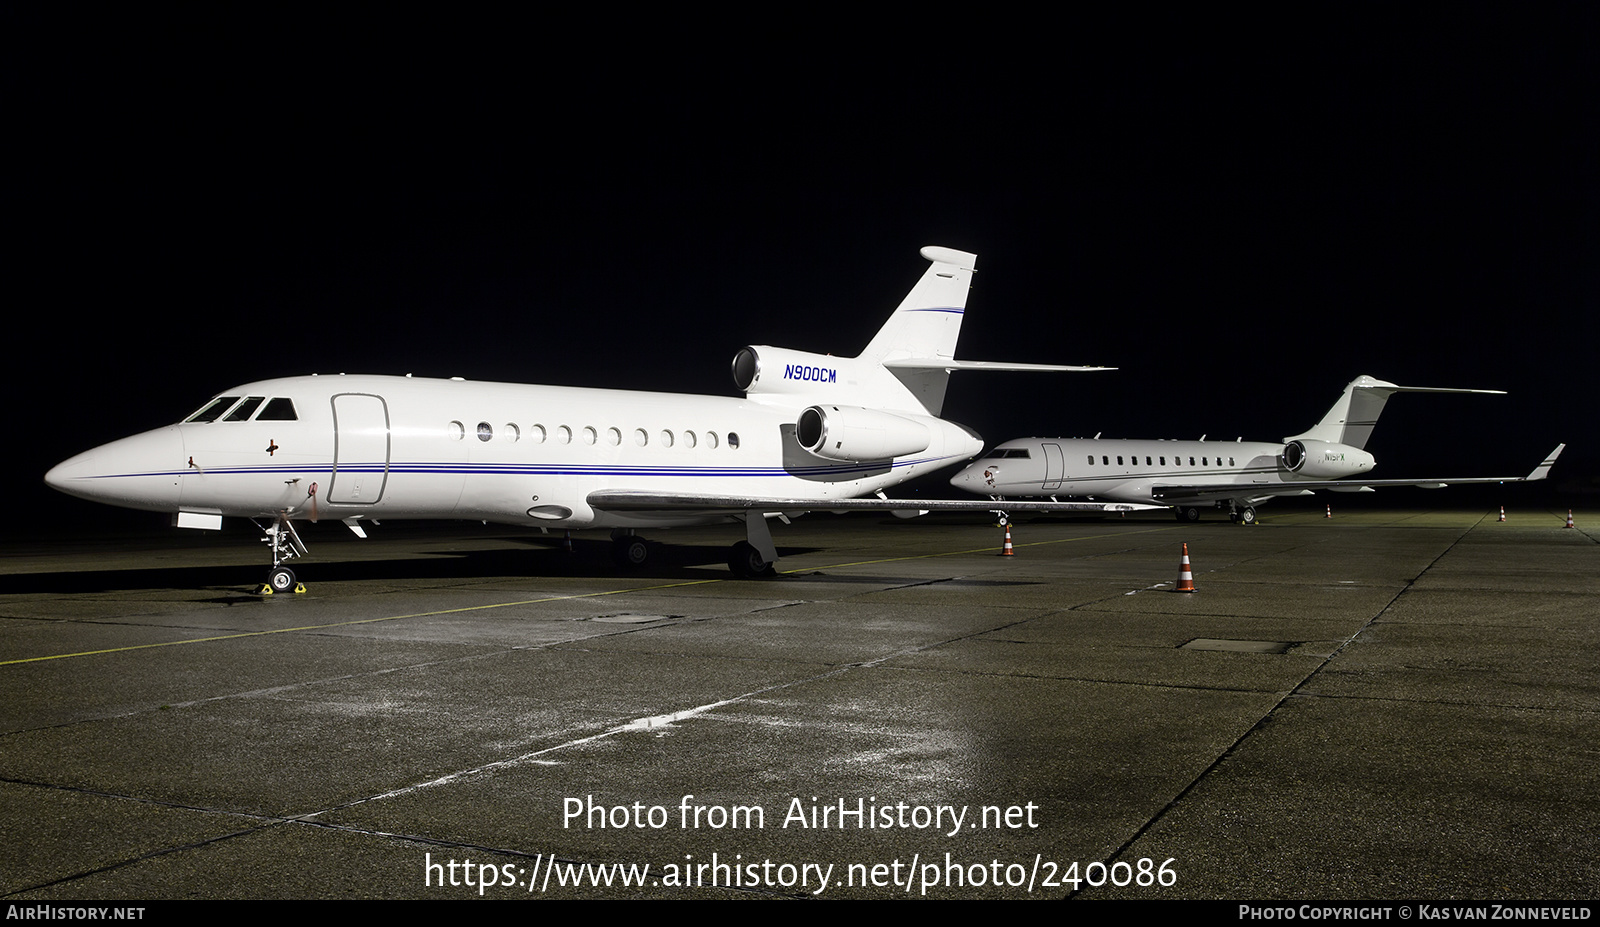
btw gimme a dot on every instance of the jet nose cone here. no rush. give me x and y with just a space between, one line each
65 475
141 472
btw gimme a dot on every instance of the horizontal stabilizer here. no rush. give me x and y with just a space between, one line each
950 364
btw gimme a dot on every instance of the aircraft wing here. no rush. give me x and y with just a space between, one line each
649 501
1255 492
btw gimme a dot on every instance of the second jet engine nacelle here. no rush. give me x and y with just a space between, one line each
1324 461
855 434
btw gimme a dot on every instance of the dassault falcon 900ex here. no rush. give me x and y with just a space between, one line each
1186 475
813 432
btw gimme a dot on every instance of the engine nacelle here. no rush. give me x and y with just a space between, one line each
758 369
1324 461
856 434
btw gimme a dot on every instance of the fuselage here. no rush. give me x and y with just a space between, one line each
1129 470
372 447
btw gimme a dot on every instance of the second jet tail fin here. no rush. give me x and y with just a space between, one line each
1352 418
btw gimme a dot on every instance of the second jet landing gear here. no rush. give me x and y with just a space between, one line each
286 545
1239 514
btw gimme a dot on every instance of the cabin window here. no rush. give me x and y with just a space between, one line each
1230 461
590 436
688 439
536 434
512 432
242 411
733 439
211 410
711 439
666 439
1091 460
1163 461
641 437
1147 460
278 410
614 436
485 431
563 435
1105 461
457 430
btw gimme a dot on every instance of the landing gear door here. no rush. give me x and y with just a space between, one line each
1052 466
360 449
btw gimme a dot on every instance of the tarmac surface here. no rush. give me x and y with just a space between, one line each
1384 705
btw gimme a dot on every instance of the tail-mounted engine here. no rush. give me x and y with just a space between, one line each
855 434
764 370
760 370
1324 461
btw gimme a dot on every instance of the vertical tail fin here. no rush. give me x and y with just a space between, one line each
1352 418
928 321
904 368
923 331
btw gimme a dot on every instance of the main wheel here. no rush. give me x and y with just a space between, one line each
629 552
280 579
1247 516
744 560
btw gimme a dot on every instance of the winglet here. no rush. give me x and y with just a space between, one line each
1543 470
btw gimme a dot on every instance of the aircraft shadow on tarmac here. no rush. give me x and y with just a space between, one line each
521 556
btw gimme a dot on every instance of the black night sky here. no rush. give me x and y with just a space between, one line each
1240 214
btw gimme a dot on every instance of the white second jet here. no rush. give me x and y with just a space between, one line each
812 432
1191 475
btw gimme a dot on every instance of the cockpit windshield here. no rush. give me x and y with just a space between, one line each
241 412
1007 453
280 409
213 410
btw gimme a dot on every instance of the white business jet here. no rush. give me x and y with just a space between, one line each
813 432
1236 475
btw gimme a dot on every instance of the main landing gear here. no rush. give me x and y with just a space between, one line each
628 550
751 558
748 562
286 545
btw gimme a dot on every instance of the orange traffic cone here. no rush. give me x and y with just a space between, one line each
1330 512
1007 551
1185 578
1569 518
1502 513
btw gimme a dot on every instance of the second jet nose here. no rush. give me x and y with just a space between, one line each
141 472
970 477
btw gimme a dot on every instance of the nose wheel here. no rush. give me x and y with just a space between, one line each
281 579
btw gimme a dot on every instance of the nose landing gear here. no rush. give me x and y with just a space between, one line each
286 545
